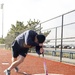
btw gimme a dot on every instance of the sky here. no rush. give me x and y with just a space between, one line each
23 10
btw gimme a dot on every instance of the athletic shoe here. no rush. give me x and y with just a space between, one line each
16 69
7 72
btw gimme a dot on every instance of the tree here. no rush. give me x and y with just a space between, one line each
46 33
33 25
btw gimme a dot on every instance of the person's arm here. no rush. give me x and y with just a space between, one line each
31 42
39 50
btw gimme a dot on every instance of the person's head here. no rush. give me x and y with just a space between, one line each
40 38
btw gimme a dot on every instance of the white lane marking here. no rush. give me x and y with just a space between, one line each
5 63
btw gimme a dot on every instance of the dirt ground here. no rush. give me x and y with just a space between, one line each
34 65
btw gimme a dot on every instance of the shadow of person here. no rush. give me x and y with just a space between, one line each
23 73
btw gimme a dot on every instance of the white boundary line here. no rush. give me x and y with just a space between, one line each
5 63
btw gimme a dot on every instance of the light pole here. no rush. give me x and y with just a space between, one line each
2 17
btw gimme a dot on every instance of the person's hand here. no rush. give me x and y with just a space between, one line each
41 50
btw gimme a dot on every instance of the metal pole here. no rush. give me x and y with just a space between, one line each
2 17
55 39
61 39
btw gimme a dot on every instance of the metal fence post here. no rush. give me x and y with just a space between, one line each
55 39
61 39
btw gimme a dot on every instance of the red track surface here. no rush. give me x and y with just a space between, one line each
34 65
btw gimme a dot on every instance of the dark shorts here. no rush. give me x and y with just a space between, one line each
17 50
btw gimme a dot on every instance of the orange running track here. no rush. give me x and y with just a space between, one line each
34 65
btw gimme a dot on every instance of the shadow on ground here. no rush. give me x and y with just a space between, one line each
23 73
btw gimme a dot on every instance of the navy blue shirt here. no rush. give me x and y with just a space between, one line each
27 37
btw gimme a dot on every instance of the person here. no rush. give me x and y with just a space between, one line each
21 45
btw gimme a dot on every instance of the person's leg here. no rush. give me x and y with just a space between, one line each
16 51
16 63
13 60
22 54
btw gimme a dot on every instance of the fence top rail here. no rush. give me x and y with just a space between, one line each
59 26
57 16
